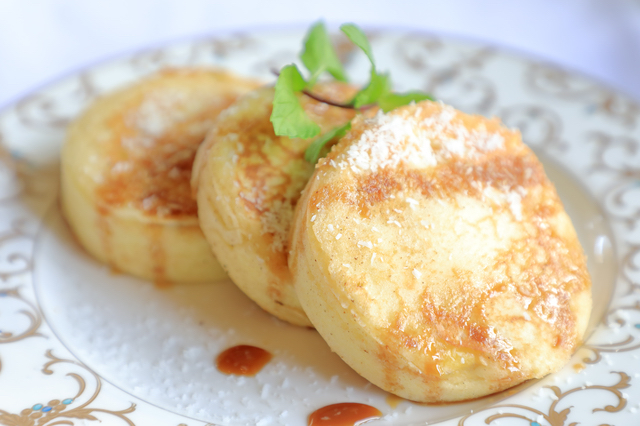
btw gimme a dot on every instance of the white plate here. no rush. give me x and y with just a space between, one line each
79 344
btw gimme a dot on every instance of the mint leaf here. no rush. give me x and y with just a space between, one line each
319 55
390 101
313 151
358 38
288 117
378 86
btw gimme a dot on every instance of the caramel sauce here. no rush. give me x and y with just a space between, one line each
578 367
243 360
163 284
343 414
393 400
156 173
115 271
102 223
160 182
158 256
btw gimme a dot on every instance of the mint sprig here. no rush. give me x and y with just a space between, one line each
359 38
378 91
378 86
312 154
390 101
288 117
319 56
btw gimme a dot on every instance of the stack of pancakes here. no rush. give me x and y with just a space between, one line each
428 248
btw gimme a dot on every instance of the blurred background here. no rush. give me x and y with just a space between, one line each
42 40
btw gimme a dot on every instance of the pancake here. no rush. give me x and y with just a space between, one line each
126 170
248 181
434 256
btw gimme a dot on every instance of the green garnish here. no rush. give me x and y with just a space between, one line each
358 38
394 100
378 86
288 116
313 151
319 56
378 91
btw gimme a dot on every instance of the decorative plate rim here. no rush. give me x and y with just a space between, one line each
38 319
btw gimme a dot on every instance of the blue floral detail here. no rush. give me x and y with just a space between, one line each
67 401
16 154
637 325
535 424
36 407
3 293
46 409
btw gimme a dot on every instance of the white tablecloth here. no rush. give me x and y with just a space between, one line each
41 40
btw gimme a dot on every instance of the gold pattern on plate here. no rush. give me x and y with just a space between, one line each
553 417
458 82
20 262
60 412
43 110
621 346
33 315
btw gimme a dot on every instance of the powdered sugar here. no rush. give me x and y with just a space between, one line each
515 204
367 244
399 137
275 221
157 112
511 198
391 140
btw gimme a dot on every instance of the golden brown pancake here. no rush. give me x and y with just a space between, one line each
126 170
248 181
434 256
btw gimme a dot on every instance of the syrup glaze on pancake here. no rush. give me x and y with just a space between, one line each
154 141
248 181
126 169
435 239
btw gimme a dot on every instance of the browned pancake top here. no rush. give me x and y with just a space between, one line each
154 138
449 235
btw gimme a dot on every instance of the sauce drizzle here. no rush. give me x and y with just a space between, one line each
242 360
343 414
394 400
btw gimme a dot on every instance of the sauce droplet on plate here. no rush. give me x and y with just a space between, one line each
163 284
394 400
344 414
242 360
